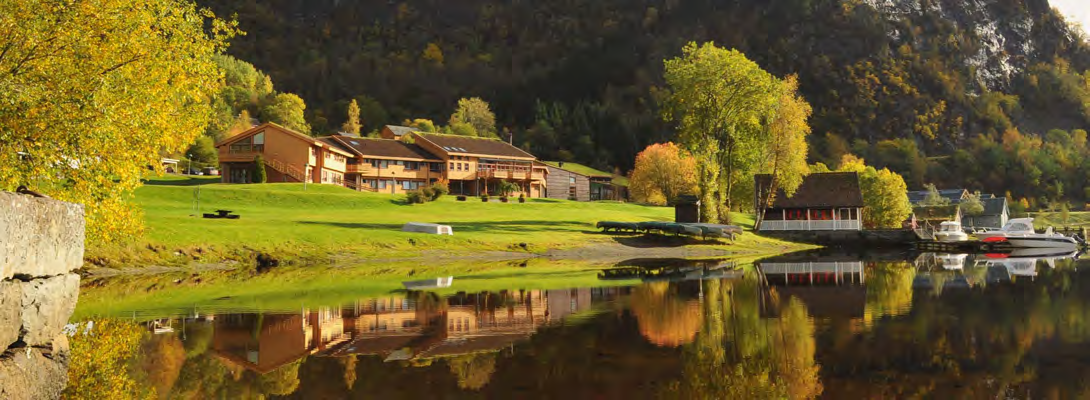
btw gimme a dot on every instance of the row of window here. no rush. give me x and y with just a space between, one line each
814 215
459 166
389 183
336 157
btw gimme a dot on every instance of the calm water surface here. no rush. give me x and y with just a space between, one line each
804 326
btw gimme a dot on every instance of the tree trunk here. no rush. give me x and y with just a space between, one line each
724 214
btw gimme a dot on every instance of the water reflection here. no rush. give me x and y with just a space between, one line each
797 326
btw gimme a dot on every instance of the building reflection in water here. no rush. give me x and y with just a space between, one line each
420 325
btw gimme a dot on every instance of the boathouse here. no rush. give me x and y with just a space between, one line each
830 201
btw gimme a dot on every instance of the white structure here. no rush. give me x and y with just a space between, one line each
434 229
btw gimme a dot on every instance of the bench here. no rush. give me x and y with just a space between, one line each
221 214
423 227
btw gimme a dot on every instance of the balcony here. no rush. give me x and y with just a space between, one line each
363 169
812 225
504 171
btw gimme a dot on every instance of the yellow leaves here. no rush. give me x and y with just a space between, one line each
662 172
104 88
433 53
100 358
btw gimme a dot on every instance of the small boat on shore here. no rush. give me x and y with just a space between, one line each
950 231
1020 234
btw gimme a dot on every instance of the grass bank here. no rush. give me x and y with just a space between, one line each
322 222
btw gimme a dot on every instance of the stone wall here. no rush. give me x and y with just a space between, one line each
41 244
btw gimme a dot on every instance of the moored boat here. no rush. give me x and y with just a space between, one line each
1019 233
950 231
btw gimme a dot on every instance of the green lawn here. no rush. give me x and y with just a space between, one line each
289 223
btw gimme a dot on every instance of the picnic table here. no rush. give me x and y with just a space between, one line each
221 214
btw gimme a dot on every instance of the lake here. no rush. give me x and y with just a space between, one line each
812 325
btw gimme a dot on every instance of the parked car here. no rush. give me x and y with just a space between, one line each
210 171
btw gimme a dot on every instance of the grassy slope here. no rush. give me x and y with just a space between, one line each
290 223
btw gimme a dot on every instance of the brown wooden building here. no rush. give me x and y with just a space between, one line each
388 165
574 181
824 202
289 156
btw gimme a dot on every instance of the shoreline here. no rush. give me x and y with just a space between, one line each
598 252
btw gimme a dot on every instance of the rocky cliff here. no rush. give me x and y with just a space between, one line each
42 243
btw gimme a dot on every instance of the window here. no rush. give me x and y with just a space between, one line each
412 165
436 167
459 166
410 185
452 166
571 180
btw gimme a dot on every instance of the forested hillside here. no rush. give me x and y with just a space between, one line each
929 88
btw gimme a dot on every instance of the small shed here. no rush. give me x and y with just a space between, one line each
687 209
995 215
830 201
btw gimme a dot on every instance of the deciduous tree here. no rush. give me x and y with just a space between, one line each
933 197
719 101
288 110
663 172
475 112
885 195
92 93
352 125
785 149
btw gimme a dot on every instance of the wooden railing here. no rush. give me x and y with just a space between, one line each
361 187
286 169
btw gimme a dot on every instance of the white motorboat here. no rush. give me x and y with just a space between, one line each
1020 234
950 231
952 261
1023 262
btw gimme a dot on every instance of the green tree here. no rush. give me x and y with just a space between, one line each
719 101
259 170
203 151
786 148
421 124
972 205
473 371
352 125
885 195
475 112
93 93
287 110
933 197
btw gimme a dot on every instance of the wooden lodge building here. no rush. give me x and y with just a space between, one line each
830 201
571 181
403 160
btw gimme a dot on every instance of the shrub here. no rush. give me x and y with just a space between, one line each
438 190
461 198
416 197
428 193
259 170
503 199
484 198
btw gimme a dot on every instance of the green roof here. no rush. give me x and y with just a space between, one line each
588 171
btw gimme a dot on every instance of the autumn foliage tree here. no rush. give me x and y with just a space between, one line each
719 101
475 113
93 93
663 172
785 150
885 195
352 125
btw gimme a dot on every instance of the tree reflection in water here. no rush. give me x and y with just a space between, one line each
959 334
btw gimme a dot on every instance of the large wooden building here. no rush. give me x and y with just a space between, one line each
830 201
289 156
403 160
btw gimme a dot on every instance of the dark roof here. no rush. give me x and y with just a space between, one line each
821 190
994 206
383 148
948 212
474 145
400 130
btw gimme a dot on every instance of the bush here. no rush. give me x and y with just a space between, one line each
461 198
438 190
428 193
417 197
259 170
484 198
503 199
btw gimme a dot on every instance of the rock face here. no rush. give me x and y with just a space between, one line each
33 373
41 243
42 237
1002 35
46 306
11 306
